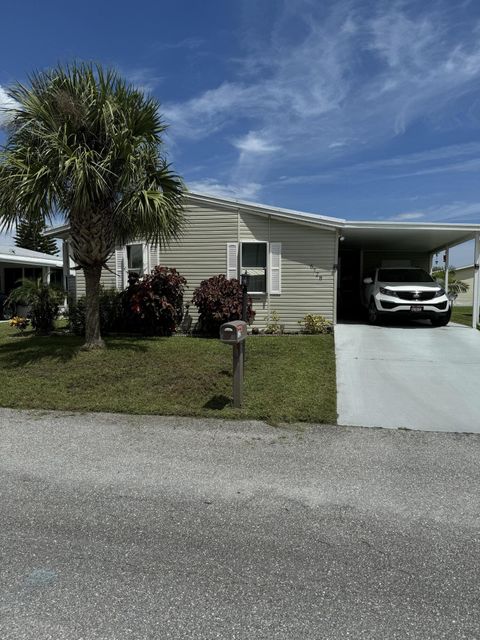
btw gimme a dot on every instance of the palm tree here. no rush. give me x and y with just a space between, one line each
455 286
85 147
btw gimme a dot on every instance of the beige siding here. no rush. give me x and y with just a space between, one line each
308 255
108 278
466 275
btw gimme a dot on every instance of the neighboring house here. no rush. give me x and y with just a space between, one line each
465 274
17 263
298 263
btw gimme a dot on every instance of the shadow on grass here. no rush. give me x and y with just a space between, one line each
31 349
217 402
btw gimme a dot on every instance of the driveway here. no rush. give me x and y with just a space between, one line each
415 377
132 528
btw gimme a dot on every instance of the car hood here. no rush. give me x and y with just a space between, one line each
411 286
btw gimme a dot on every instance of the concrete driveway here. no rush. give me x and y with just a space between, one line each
147 528
415 377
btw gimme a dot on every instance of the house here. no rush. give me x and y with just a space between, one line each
298 263
465 274
17 263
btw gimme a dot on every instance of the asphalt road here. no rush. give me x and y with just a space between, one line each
120 527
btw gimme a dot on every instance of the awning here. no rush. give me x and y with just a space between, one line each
415 237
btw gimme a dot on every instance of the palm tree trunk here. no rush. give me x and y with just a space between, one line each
93 339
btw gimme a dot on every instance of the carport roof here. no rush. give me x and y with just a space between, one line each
405 236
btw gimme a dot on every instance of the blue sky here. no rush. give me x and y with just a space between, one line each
357 109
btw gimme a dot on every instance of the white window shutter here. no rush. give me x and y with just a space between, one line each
146 258
119 269
275 267
232 260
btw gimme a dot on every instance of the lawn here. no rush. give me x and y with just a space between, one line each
462 315
287 379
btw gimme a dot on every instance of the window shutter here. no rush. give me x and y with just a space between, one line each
146 258
275 267
232 260
120 268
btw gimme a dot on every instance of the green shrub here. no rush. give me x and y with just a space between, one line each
153 304
43 301
219 300
111 313
315 324
273 326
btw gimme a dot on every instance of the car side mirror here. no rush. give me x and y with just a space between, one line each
368 281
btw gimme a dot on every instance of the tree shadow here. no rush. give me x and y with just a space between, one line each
32 349
217 402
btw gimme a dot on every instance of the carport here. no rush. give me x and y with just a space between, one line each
364 246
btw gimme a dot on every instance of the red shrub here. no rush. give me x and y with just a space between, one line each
154 302
219 300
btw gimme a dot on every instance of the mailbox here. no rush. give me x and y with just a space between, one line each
233 332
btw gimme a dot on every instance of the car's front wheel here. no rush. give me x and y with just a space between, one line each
443 320
372 312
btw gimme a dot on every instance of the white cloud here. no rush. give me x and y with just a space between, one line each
143 78
453 211
357 72
451 158
405 217
254 143
6 103
211 187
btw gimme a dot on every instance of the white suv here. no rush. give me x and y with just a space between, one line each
405 292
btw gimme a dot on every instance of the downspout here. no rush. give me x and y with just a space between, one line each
268 272
335 277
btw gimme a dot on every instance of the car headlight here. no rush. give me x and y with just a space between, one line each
440 292
388 292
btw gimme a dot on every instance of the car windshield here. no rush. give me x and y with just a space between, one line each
404 275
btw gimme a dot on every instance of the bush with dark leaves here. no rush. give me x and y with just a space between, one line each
219 300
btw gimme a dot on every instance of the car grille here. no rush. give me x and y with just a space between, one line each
417 295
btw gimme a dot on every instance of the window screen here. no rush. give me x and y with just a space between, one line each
254 264
135 259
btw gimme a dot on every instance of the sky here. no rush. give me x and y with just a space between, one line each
359 109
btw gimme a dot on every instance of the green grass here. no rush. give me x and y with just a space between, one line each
287 379
462 315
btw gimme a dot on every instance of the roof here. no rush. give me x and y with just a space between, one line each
19 255
368 234
412 236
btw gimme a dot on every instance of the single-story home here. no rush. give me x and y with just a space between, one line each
299 263
465 274
17 263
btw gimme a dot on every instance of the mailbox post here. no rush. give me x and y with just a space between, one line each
234 333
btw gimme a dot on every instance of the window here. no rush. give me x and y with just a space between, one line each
135 259
254 264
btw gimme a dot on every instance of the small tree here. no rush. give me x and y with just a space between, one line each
455 286
84 144
30 236
219 300
44 302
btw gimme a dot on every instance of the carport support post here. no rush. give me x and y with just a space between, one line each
447 261
476 281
